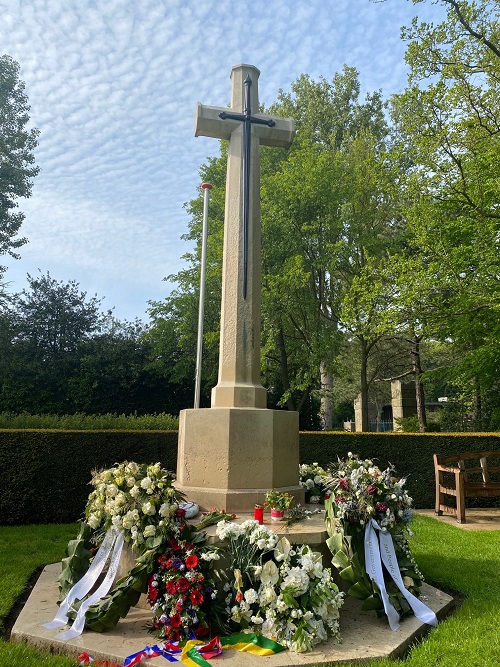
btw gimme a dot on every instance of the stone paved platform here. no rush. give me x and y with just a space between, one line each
476 518
363 636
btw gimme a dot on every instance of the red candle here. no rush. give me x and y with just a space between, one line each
258 514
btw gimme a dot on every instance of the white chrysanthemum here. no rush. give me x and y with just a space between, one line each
130 481
135 492
257 620
94 521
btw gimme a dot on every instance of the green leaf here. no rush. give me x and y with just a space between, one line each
372 603
359 591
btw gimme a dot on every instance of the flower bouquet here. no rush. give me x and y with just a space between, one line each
278 590
313 478
181 591
131 503
367 502
139 500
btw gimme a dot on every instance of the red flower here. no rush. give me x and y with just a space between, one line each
191 562
196 597
202 631
180 513
152 593
382 507
171 587
372 490
174 545
182 585
179 605
175 621
239 597
344 484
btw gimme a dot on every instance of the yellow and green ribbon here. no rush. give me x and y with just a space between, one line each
246 643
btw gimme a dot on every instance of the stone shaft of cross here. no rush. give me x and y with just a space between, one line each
239 358
247 120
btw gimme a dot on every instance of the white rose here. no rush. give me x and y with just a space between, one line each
111 490
135 492
130 481
146 483
166 509
148 508
149 531
94 521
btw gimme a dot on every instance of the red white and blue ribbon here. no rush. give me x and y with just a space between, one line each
169 650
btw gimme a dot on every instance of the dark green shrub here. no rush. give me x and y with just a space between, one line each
47 473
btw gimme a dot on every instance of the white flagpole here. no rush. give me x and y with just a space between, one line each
206 192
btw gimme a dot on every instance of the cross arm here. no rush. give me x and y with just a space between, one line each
209 124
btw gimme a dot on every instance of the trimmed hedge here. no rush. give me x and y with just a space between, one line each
410 453
46 473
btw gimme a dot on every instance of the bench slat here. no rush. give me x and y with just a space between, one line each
463 487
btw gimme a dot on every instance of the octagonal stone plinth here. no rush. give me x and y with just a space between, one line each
363 636
229 457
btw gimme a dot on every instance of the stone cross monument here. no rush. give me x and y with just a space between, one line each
230 454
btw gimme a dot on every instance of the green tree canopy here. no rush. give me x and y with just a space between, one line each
17 143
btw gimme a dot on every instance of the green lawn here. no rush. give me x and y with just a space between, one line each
468 562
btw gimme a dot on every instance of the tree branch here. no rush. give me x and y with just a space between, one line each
470 29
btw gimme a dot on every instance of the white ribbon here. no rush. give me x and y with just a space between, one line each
111 547
374 556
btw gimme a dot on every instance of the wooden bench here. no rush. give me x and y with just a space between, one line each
466 475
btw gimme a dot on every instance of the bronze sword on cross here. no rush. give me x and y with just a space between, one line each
248 120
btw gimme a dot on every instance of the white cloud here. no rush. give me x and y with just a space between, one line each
113 87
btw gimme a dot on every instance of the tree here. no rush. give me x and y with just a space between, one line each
17 143
450 114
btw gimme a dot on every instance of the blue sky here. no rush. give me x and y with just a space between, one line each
113 87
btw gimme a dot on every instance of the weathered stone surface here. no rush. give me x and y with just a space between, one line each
363 636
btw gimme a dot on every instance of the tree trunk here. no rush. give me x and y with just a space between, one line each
363 394
285 378
476 409
326 410
419 387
